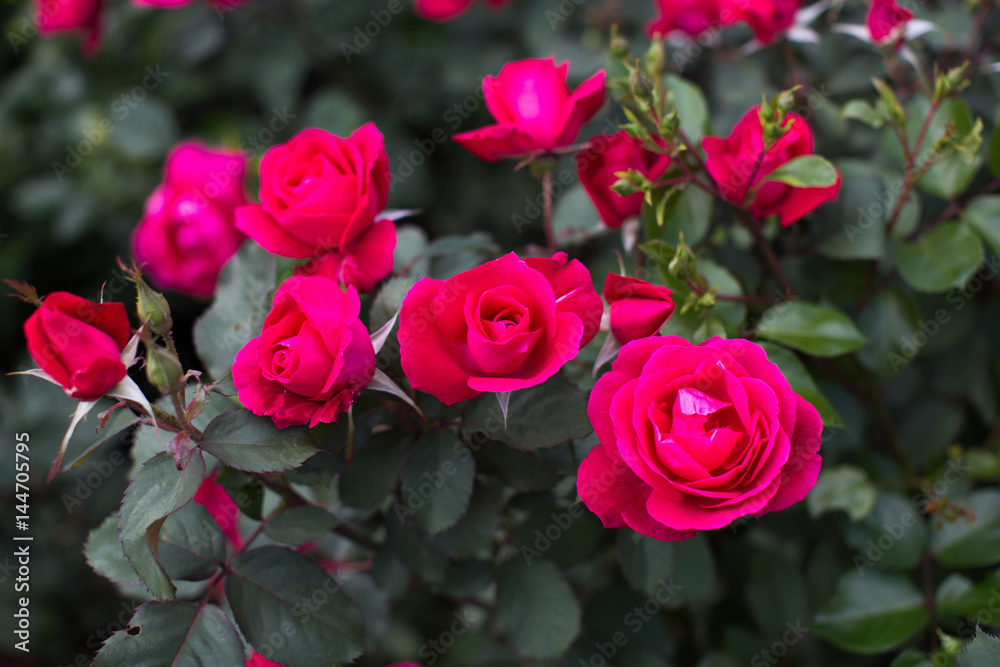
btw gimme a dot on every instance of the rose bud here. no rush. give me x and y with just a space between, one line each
738 163
54 16
638 309
188 231
534 109
768 18
318 192
693 437
163 369
313 357
79 343
597 165
361 263
887 21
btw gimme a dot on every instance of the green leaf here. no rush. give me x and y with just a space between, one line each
968 541
889 321
675 573
776 594
104 554
994 153
275 591
174 633
191 544
687 210
982 651
692 109
804 171
957 595
472 536
941 259
801 382
242 301
157 491
437 480
300 524
983 216
842 487
387 303
246 491
120 421
817 330
373 472
893 535
244 441
541 416
951 174
863 111
871 613
536 608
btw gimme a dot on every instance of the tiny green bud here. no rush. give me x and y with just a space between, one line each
153 308
163 369
619 47
655 58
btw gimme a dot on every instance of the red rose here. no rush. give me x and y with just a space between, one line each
695 436
447 10
739 163
312 358
505 325
766 17
534 109
318 192
189 230
887 21
214 498
638 309
257 660
54 16
688 16
79 343
361 263
596 167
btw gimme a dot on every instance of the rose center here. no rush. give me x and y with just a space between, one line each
698 430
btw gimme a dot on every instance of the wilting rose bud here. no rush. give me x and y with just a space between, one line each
638 309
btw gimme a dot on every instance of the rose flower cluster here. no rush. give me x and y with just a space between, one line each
692 437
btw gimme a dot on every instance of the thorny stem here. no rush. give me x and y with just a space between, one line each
911 177
550 240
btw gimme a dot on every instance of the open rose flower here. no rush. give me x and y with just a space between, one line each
534 109
696 436
222 507
318 192
362 263
768 18
189 230
313 357
887 21
79 343
505 325
738 164
55 16
447 10
692 17
638 309
597 165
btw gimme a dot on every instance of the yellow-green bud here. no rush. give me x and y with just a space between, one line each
153 308
163 369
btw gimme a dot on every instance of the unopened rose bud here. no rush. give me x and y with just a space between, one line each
153 309
619 47
163 369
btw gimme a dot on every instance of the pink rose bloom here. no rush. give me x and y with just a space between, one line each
768 18
313 357
188 231
534 109
738 163
597 165
447 10
696 436
887 21
638 309
505 325
55 16
222 507
318 192
692 17
257 660
361 263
